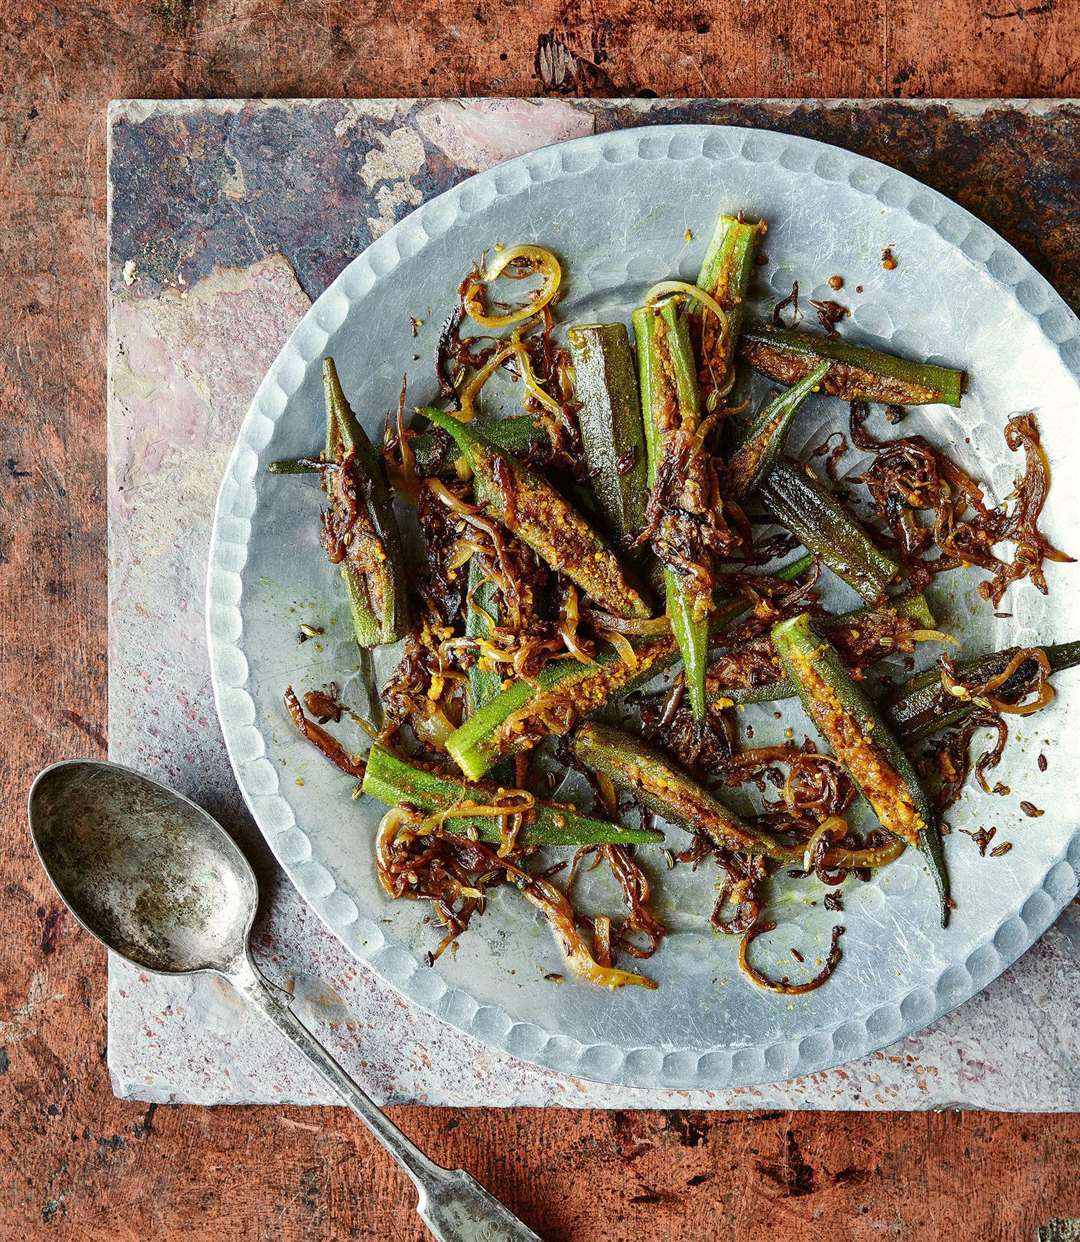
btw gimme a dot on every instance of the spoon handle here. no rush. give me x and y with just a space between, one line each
453 1205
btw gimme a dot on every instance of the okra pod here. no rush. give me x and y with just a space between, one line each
653 780
861 740
763 440
671 412
798 499
725 275
858 372
519 434
612 436
372 561
923 705
393 780
565 690
854 631
534 511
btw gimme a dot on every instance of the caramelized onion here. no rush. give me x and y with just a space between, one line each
466 411
668 287
787 989
321 740
909 475
982 693
527 258
651 627
635 888
832 826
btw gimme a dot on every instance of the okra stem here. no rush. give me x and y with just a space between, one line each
764 439
393 780
858 735
612 435
534 511
858 374
798 500
296 465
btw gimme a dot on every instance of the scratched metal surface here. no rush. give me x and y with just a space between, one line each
192 255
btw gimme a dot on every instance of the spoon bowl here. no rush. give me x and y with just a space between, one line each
142 867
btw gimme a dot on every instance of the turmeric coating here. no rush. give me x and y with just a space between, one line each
854 744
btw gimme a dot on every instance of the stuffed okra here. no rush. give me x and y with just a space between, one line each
857 732
858 373
524 713
725 275
763 441
476 808
534 511
862 636
652 779
686 516
360 533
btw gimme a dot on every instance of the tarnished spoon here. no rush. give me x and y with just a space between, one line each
160 882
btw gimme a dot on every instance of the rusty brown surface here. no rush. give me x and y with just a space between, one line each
76 1163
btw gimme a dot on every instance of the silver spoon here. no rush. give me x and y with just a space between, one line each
158 881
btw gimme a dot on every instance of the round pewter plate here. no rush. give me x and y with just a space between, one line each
620 209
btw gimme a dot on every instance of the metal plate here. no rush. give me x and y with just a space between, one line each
617 208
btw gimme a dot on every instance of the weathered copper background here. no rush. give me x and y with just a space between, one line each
75 1162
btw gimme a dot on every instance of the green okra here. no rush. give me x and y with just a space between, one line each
518 717
763 440
670 406
726 272
798 499
393 780
923 706
857 733
520 434
653 780
845 626
858 374
373 568
609 417
534 511
565 690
